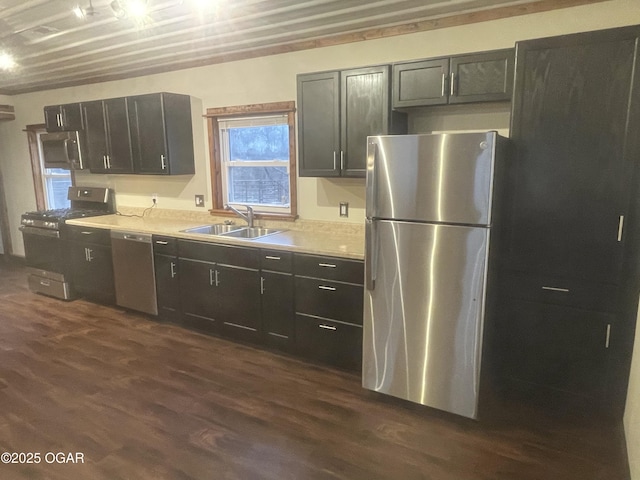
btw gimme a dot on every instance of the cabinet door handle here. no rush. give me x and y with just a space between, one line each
84 232
59 119
217 281
45 283
556 289
173 269
163 162
326 287
335 165
271 257
327 265
608 337
261 285
211 280
341 160
620 227
327 327
104 161
109 162
453 84
89 257
444 82
161 242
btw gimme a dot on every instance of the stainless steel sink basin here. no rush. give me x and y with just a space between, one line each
251 232
215 229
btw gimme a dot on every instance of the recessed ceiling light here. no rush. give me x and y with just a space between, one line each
6 61
78 11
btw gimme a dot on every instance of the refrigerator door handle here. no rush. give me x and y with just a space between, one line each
371 253
372 152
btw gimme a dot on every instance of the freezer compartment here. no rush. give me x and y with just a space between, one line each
423 315
445 178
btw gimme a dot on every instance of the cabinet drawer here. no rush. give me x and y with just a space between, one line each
165 245
329 342
223 254
569 292
331 268
276 260
96 236
328 299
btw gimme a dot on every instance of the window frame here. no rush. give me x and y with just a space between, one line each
215 153
35 152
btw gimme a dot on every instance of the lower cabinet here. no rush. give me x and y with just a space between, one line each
220 288
329 297
165 257
336 343
91 263
277 309
557 347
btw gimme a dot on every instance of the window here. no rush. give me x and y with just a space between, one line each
51 184
56 183
253 158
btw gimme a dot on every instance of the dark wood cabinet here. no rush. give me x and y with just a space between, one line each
329 310
477 77
165 255
91 263
63 118
336 113
161 133
106 127
220 288
277 291
557 347
319 124
570 233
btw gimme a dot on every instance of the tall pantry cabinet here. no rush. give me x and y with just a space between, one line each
570 266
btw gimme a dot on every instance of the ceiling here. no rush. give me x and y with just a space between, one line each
54 48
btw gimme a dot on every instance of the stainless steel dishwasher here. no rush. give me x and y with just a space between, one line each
133 271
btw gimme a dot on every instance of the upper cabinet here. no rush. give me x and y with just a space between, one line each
161 134
479 77
106 128
63 118
336 112
147 134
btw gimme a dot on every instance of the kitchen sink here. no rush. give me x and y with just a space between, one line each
215 229
251 232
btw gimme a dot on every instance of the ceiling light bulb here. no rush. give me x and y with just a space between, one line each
137 8
79 12
6 61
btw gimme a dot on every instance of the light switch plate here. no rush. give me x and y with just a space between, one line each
199 200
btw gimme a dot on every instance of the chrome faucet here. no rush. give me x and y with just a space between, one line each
248 217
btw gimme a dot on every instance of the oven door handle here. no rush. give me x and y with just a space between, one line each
45 232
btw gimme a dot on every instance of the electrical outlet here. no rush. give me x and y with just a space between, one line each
344 209
154 198
199 200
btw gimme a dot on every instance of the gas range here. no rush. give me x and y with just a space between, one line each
45 247
53 219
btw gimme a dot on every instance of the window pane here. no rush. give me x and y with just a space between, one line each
259 185
57 183
259 143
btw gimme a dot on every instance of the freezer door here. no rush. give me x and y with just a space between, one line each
423 319
433 178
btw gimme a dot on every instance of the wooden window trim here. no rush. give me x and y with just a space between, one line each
36 170
215 114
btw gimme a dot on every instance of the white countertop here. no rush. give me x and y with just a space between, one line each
332 243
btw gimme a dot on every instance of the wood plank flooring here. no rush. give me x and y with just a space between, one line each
145 400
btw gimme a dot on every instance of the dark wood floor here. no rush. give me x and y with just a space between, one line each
143 400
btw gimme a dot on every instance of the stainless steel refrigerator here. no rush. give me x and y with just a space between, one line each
428 228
